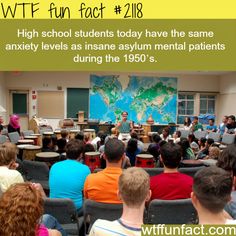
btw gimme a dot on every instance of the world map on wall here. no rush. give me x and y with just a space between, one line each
140 96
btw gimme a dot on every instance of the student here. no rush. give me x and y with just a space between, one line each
65 135
154 148
231 125
196 126
21 208
8 173
66 178
187 123
171 184
140 144
187 151
211 127
227 161
212 187
14 125
165 134
134 192
222 126
176 136
48 145
205 151
132 150
124 127
103 186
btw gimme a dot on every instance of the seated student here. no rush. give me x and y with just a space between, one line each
21 208
222 126
1 124
132 150
165 134
80 136
103 186
65 135
61 145
8 173
171 184
231 125
97 139
227 161
211 127
212 187
205 151
14 124
66 178
140 143
154 148
134 192
196 125
48 145
187 151
176 136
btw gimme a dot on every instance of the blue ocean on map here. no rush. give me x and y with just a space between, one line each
141 97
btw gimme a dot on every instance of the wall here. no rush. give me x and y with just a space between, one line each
50 81
3 94
227 96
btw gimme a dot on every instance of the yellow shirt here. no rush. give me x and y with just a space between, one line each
103 186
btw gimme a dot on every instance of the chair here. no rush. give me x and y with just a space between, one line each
27 132
154 171
191 171
37 172
97 210
14 137
171 212
3 139
185 133
65 212
215 136
228 139
200 134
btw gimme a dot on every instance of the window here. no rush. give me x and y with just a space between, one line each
207 104
185 106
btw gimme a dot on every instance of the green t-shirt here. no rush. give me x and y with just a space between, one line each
125 127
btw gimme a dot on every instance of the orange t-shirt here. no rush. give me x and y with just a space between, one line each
103 186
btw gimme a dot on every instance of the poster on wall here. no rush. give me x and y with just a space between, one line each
140 96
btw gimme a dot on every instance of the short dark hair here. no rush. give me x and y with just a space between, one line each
79 136
74 148
61 143
171 155
210 141
195 117
232 117
212 187
46 141
134 135
124 112
114 150
64 133
178 133
213 120
227 159
156 138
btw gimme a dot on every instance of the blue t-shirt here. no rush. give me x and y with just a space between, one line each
66 180
212 127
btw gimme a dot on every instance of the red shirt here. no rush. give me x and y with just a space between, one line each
171 186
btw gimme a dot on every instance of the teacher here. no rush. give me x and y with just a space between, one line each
124 127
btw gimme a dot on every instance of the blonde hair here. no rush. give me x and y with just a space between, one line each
134 185
214 153
7 153
21 207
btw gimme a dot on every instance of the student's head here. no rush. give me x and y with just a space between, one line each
209 142
156 138
195 119
61 144
212 187
14 121
134 135
114 150
214 152
202 142
47 142
74 149
100 133
64 134
89 148
166 131
225 119
170 155
231 119
132 145
79 136
191 138
187 121
211 121
227 159
7 154
134 185
177 134
86 137
21 207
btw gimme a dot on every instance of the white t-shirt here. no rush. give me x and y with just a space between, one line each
110 228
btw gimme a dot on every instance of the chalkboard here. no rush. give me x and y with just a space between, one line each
19 103
77 100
